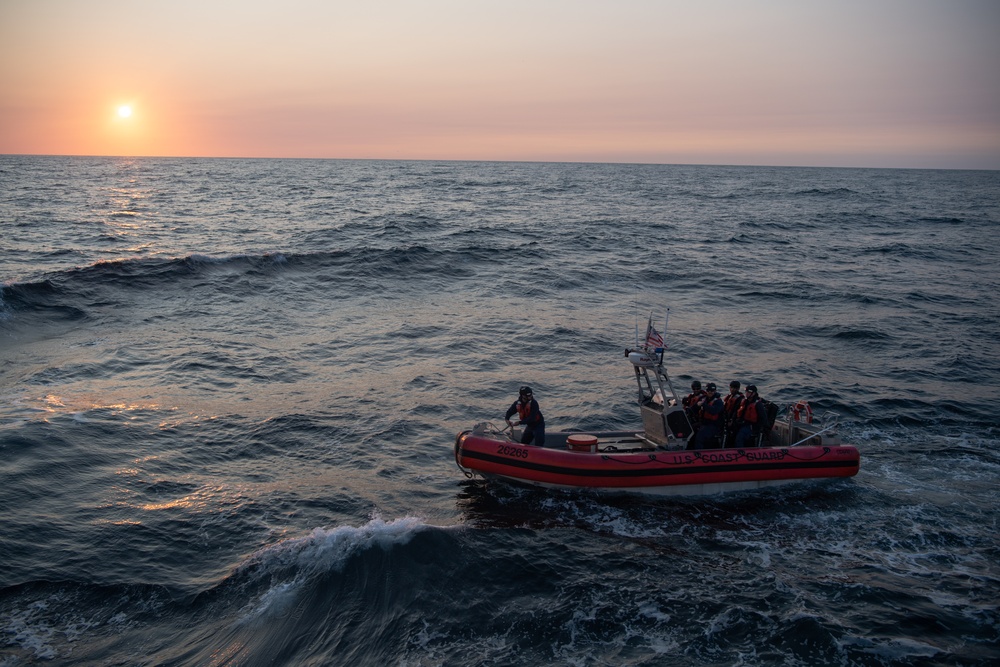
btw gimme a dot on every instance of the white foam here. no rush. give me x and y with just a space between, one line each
327 549
323 550
601 518
423 639
29 632
208 259
651 610
275 601
902 649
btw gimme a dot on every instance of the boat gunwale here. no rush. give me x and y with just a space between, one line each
673 467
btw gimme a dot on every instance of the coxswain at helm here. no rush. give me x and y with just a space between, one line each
692 404
694 398
711 417
530 415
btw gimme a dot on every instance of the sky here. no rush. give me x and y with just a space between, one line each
861 83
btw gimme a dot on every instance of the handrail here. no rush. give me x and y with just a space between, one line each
812 435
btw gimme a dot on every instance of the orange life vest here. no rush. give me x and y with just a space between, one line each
708 415
748 412
692 399
524 410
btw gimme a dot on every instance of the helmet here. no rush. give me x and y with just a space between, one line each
735 384
525 391
696 385
752 387
710 386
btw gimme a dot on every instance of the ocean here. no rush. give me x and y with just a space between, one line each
230 389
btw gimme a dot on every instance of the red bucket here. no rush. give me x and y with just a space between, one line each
582 443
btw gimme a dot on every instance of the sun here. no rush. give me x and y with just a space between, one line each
124 111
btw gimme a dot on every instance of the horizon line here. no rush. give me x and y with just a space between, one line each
494 160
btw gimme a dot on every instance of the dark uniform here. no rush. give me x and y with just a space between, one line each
692 405
530 415
733 402
751 417
711 417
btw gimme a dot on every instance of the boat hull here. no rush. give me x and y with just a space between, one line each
616 469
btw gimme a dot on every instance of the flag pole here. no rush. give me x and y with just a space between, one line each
666 324
636 305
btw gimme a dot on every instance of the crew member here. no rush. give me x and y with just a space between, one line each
751 416
733 402
692 406
695 396
712 410
530 415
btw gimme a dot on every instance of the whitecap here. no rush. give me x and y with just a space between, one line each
326 549
323 550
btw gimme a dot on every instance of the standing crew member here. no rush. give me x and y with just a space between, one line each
751 417
530 415
733 402
692 406
711 418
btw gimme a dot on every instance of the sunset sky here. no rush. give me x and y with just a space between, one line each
881 83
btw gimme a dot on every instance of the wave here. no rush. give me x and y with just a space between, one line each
326 549
943 220
826 192
77 621
922 253
37 296
68 294
839 332
55 621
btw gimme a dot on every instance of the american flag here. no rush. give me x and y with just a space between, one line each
653 337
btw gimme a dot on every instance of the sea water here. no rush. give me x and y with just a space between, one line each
229 392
